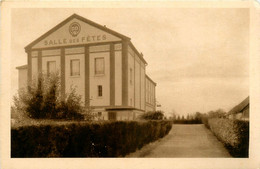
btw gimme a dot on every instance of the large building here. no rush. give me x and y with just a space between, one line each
106 68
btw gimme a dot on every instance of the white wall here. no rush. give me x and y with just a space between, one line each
118 78
46 59
75 81
34 69
137 90
150 95
142 97
125 115
22 81
149 108
137 83
130 85
96 80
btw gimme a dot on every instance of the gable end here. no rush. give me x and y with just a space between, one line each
75 16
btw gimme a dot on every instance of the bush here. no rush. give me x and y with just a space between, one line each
219 113
42 100
205 121
82 139
194 118
234 134
186 121
156 115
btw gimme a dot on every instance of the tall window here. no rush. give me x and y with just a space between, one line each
74 67
100 92
131 76
51 67
99 66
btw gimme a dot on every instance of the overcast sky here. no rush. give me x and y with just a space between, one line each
199 58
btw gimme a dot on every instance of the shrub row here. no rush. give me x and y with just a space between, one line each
82 139
185 121
205 121
153 115
234 134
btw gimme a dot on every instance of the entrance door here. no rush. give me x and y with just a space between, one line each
111 115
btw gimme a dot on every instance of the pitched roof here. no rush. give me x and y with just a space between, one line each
81 19
238 108
21 67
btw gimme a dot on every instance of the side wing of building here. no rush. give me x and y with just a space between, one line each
150 99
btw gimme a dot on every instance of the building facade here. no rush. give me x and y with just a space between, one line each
105 67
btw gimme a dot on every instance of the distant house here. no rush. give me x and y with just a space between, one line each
241 111
106 68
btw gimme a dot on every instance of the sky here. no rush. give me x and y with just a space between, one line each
199 57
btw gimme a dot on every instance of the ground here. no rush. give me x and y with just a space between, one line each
185 141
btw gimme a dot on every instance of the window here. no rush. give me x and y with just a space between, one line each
74 67
99 114
100 91
131 75
99 66
51 67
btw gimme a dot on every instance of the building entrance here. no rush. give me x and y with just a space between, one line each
112 115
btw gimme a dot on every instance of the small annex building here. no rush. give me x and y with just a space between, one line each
240 111
105 67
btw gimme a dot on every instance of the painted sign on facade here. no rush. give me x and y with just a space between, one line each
75 32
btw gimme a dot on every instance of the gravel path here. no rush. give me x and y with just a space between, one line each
184 141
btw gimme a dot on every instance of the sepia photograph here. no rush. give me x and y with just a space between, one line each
130 83
105 83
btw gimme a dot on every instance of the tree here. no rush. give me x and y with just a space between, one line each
188 117
42 100
178 118
219 113
156 115
174 114
197 116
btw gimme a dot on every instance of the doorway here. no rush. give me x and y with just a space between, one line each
111 115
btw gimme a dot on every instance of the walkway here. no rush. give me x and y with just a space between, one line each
184 141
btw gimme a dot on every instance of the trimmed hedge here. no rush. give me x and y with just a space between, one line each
82 139
234 134
205 121
187 121
153 115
